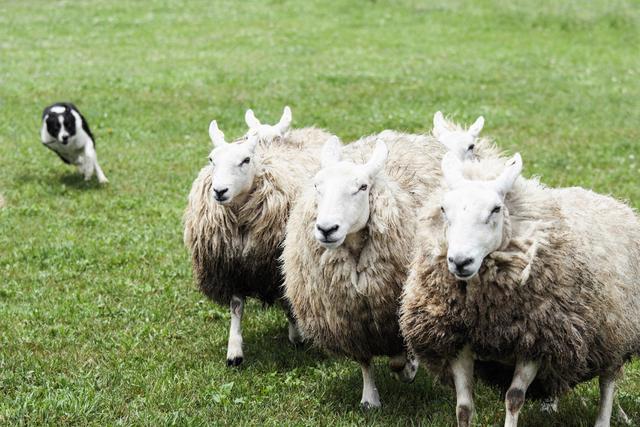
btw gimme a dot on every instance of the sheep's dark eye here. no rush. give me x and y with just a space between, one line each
211 160
496 210
245 161
442 209
363 187
472 146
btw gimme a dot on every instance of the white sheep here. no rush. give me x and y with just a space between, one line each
348 246
266 132
509 275
236 214
458 140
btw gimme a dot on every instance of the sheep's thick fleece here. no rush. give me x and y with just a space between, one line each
235 249
563 289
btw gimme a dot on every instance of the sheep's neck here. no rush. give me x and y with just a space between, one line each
355 242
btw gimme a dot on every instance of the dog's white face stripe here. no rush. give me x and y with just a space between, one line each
63 132
58 109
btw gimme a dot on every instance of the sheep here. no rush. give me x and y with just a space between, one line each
512 276
456 139
348 245
266 132
235 218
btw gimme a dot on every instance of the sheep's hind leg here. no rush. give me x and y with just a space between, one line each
462 370
295 337
524 375
370 398
550 405
234 347
607 392
403 367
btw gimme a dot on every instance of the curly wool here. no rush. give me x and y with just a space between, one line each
553 292
235 249
345 300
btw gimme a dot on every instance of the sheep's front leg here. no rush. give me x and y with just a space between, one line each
234 348
404 367
607 392
462 370
523 376
370 398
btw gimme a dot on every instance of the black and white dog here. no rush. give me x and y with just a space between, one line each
66 132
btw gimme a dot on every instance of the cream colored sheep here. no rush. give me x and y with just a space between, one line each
349 243
512 276
237 210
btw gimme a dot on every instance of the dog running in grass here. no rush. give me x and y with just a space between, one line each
66 132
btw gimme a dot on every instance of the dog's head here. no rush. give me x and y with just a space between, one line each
59 124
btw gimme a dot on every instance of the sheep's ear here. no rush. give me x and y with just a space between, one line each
378 158
438 122
508 177
331 151
250 119
216 135
476 127
452 170
285 121
252 142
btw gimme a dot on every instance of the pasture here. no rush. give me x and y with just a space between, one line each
100 319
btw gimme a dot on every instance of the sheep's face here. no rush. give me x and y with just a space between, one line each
342 193
232 166
474 215
264 132
461 143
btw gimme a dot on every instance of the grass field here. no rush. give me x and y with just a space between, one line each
100 320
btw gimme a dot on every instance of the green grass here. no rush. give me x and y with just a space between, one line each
100 320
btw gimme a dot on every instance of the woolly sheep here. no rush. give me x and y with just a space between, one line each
348 247
509 275
236 214
457 140
266 132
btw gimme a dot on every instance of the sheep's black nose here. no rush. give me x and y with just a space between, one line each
327 231
220 193
460 262
65 138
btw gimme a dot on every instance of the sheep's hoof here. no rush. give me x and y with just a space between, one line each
369 406
464 414
403 377
406 373
236 361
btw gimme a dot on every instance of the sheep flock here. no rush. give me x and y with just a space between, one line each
430 249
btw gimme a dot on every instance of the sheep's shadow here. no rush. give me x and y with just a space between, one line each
407 404
269 350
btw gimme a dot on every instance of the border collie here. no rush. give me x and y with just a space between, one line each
66 132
